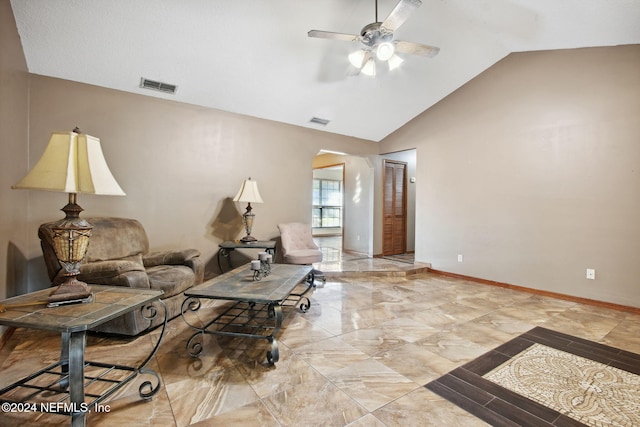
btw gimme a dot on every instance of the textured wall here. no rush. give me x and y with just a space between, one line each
531 172
14 92
180 165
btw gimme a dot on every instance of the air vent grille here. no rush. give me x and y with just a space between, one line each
319 121
159 86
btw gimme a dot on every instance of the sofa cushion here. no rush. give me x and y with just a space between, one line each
171 279
115 238
303 256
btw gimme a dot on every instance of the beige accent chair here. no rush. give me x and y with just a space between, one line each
298 246
118 255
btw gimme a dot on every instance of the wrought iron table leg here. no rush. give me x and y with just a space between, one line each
275 311
273 355
72 364
146 389
77 344
64 361
224 253
194 343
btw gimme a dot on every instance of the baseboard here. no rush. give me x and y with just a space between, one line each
382 256
587 301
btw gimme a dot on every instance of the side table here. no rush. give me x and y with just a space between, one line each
230 245
72 321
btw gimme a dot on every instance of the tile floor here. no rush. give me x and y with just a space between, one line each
360 356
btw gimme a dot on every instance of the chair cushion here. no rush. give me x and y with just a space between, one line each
303 256
171 279
296 236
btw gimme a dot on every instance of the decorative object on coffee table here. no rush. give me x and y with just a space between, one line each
248 193
261 267
72 163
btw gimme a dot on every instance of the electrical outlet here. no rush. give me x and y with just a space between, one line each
459 257
591 274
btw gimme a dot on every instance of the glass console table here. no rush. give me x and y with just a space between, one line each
73 386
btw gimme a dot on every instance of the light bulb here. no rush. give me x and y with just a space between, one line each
394 62
356 58
385 51
369 68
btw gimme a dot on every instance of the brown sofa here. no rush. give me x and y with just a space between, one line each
118 254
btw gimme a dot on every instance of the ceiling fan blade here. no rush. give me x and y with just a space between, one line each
416 49
400 14
333 36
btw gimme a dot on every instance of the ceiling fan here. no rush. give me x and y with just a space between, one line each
378 42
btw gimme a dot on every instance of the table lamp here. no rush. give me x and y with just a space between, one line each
248 193
72 163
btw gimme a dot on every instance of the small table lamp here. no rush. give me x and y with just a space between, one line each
72 163
248 193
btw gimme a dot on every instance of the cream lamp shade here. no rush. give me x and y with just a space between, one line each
72 163
248 192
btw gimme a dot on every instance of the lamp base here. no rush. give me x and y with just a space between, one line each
70 291
248 239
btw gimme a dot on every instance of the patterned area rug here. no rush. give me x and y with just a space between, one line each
548 378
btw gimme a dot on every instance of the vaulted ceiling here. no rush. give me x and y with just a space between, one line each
253 57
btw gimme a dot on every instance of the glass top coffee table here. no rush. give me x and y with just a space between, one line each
256 308
69 386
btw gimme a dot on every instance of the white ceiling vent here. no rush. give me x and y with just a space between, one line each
159 86
319 121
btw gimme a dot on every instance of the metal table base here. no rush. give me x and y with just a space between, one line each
246 317
73 386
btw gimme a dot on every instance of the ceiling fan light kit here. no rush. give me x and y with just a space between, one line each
378 40
369 68
357 58
385 51
394 62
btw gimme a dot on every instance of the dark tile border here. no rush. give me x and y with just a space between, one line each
498 406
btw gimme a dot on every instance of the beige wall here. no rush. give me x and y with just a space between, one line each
532 172
179 164
14 92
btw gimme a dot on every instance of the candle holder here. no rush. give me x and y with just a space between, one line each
262 266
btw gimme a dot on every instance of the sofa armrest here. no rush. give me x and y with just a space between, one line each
187 257
170 257
121 272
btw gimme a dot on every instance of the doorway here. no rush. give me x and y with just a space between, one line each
327 217
394 226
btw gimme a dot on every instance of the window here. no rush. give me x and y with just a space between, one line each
327 203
